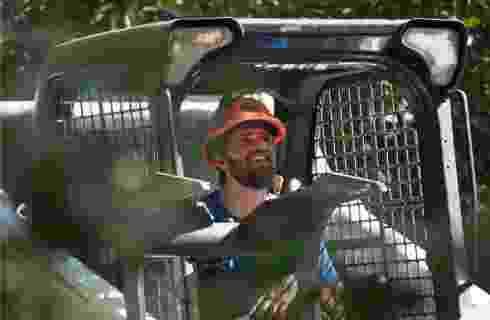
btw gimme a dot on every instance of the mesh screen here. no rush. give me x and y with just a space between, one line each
120 120
107 118
366 128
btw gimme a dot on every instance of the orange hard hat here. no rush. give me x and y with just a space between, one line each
240 110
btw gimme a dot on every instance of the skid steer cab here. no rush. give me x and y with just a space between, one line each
108 162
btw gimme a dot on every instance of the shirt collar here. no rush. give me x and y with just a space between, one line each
216 200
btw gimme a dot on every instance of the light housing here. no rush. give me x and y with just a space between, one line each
206 33
440 44
192 39
212 38
439 49
204 38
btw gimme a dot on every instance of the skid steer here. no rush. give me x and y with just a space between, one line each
104 166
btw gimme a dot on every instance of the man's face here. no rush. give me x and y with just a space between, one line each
249 155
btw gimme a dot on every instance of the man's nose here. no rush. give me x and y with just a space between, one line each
263 144
258 137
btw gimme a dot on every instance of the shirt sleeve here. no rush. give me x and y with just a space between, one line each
328 274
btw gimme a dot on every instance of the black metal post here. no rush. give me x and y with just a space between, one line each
448 258
179 171
168 155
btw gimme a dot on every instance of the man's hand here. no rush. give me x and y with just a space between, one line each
287 302
277 184
327 295
274 304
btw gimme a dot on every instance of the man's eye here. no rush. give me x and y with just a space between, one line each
247 139
254 138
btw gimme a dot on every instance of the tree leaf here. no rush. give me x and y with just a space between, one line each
105 8
483 3
99 17
346 11
472 22
150 9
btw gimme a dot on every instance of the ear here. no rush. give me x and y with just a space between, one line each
221 164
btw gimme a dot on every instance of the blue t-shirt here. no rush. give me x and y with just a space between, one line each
218 213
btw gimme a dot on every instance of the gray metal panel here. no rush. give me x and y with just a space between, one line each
324 26
264 24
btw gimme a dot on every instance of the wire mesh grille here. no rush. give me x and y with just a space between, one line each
120 120
366 128
124 121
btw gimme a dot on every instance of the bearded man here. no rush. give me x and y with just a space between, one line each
240 146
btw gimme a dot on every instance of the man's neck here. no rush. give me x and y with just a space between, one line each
240 200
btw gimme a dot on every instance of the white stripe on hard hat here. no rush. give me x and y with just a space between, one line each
265 98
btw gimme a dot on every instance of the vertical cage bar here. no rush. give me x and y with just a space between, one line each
443 210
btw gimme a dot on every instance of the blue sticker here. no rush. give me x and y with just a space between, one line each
88 88
280 43
265 41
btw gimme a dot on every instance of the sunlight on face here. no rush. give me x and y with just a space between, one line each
249 156
246 142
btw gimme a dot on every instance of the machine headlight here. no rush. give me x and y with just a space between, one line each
439 49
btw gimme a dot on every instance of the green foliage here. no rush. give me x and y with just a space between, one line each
477 81
33 291
472 22
7 66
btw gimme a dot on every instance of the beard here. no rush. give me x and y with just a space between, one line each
251 174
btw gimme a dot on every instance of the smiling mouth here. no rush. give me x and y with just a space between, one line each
262 163
260 159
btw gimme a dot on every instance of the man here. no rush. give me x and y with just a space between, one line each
240 146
